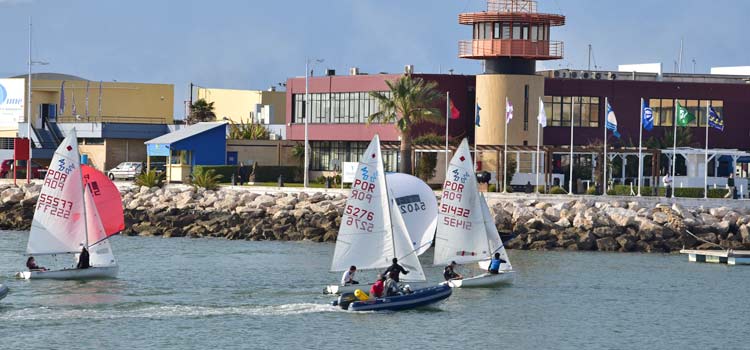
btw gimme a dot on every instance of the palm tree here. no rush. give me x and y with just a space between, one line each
409 101
201 111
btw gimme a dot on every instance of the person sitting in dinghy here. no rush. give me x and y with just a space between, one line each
391 285
83 259
449 273
495 264
376 291
32 266
394 270
348 277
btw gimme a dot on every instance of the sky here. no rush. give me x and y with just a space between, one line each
258 44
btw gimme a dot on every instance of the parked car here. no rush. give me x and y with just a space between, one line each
37 171
126 170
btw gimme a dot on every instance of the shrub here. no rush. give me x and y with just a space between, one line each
150 179
492 188
226 171
207 179
426 166
557 190
591 190
717 192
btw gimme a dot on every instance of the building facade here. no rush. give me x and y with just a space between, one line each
267 107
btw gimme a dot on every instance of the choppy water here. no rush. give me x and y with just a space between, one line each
202 294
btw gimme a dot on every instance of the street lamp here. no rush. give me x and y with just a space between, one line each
308 62
28 108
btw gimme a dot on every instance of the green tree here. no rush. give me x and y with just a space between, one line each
408 102
248 131
201 111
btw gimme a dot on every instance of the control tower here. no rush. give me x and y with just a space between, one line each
509 37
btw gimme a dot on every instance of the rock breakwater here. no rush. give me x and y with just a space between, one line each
578 224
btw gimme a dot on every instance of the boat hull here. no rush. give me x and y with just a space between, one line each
97 272
486 280
418 298
350 288
3 291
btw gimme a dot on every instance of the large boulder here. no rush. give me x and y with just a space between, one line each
607 244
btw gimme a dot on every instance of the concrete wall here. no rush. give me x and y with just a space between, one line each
113 152
271 153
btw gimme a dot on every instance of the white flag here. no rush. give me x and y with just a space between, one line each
542 117
508 111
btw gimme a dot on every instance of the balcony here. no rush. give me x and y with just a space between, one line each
496 48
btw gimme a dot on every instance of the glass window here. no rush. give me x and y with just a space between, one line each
693 108
496 32
534 32
667 112
488 30
516 31
525 32
506 31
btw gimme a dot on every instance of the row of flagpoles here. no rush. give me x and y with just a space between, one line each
682 118
73 100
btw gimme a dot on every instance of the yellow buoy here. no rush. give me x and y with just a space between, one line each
362 296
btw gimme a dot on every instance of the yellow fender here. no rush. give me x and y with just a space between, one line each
362 296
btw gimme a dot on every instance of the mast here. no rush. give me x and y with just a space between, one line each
83 195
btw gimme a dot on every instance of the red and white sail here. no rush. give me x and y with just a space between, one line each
59 220
107 199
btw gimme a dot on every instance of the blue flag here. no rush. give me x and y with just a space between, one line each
612 121
648 117
476 119
62 98
714 119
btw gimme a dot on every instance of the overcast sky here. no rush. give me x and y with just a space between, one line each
253 44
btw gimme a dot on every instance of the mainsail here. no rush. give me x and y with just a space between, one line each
461 233
372 231
417 205
107 199
58 225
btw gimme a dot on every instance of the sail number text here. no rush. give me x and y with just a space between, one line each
458 223
452 190
412 207
54 206
359 213
457 211
55 179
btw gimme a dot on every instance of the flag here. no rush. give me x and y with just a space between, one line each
542 117
648 117
476 115
683 116
73 104
714 119
455 113
62 98
508 111
100 99
612 121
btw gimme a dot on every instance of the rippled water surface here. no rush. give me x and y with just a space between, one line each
202 294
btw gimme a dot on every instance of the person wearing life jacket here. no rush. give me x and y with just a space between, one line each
495 264
348 277
376 291
395 270
449 272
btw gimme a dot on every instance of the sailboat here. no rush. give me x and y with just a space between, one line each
373 232
466 231
78 207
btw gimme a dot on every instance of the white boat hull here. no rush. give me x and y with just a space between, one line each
485 280
72 274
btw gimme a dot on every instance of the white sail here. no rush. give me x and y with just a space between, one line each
418 206
365 237
100 251
59 220
405 250
496 243
461 233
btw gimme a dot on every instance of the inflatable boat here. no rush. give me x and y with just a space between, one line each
360 301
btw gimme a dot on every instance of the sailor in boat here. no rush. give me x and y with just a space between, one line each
395 270
348 277
32 266
83 259
449 273
391 285
495 264
376 291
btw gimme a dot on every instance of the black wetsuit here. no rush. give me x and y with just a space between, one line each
394 270
83 260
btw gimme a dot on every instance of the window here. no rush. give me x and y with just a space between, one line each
526 108
560 109
506 31
534 32
496 33
488 30
337 108
327 154
525 32
516 31
664 110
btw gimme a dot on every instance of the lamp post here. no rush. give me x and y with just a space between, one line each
28 109
308 62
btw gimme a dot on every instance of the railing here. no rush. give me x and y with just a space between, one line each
6 143
526 6
489 48
114 119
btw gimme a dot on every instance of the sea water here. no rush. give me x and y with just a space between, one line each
180 293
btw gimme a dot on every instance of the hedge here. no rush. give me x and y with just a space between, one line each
685 192
271 173
225 171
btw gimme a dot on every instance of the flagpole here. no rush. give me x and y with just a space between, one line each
705 174
538 132
572 115
505 148
476 111
674 147
604 168
640 152
447 120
